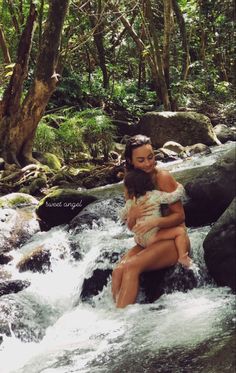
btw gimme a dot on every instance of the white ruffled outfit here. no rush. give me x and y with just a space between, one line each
156 197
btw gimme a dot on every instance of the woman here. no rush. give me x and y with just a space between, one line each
139 154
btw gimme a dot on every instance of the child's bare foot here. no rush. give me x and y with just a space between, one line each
185 260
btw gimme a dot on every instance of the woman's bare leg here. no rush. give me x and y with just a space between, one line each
156 256
118 270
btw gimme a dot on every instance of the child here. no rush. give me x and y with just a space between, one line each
140 186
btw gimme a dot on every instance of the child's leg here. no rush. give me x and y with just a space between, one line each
182 242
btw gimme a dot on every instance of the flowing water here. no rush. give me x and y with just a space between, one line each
189 331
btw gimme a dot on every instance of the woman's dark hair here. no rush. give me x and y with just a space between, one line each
134 142
138 182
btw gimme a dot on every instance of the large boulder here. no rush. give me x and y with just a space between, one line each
211 191
62 205
186 128
220 249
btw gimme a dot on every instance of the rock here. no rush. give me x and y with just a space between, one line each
2 164
119 148
220 249
186 128
83 218
48 159
211 192
225 133
4 259
165 155
38 260
14 200
52 161
37 185
93 285
62 205
12 286
174 146
22 316
177 278
16 227
196 149
152 284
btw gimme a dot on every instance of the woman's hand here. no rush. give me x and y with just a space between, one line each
145 226
140 209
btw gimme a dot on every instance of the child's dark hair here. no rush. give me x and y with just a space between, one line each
138 182
134 142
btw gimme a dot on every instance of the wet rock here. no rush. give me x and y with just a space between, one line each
4 259
62 205
174 146
152 284
23 316
186 128
225 133
220 249
211 192
84 218
165 155
107 208
93 285
12 286
155 283
196 149
38 260
16 227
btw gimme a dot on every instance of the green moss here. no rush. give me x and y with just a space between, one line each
2 204
52 161
19 200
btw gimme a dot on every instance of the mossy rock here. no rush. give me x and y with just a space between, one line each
62 205
38 184
52 161
14 200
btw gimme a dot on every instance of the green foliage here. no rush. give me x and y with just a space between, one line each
45 138
90 131
98 132
69 138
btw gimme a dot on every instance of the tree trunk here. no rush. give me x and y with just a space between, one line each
141 46
13 17
4 47
158 58
184 39
166 47
98 26
19 129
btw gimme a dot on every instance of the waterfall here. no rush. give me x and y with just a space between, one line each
48 328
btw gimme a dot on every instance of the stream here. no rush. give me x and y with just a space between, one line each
182 331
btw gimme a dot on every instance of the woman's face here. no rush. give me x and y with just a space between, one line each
143 158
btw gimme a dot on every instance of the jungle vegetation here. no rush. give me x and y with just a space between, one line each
73 73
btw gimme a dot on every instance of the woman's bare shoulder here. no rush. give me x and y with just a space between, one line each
165 181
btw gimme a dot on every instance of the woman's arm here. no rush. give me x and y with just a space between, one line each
176 216
137 210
